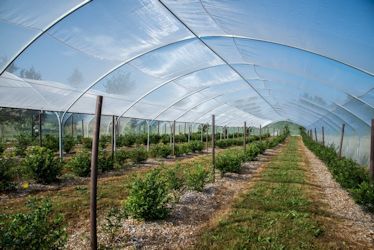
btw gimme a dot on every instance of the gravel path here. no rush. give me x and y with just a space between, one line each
193 212
349 219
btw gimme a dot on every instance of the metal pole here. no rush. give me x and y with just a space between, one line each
201 132
260 133
341 141
113 135
244 136
147 136
158 127
174 137
32 126
40 129
189 132
72 126
207 133
315 134
371 167
94 159
214 147
82 129
323 136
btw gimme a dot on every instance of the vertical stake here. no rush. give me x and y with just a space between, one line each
206 137
158 127
214 147
371 167
72 125
82 129
174 137
113 136
40 129
341 141
260 133
323 136
315 134
94 156
244 136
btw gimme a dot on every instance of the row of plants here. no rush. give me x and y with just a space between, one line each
349 174
149 198
225 143
150 195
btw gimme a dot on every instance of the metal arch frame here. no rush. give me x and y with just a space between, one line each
43 31
218 55
202 37
350 112
327 112
177 101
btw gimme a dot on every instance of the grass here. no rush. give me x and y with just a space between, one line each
277 212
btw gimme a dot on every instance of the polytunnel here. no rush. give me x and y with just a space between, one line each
256 61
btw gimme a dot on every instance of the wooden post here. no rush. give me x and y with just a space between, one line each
213 146
174 137
158 127
244 136
207 133
40 129
371 167
341 141
32 126
201 132
113 136
315 134
323 136
260 133
72 126
94 159
82 128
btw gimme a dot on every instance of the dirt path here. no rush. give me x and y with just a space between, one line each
346 219
192 213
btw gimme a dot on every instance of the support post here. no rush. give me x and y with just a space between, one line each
189 132
201 132
113 136
40 129
315 134
207 133
82 128
214 147
174 138
94 159
341 141
32 125
158 127
148 136
245 136
72 125
323 136
371 167
260 133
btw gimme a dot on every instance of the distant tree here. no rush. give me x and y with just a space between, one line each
119 84
76 78
30 74
11 68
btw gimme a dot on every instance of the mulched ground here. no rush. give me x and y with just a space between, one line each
348 220
193 212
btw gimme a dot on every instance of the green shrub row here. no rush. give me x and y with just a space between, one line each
230 161
225 143
349 174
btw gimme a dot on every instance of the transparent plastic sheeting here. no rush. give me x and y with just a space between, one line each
309 62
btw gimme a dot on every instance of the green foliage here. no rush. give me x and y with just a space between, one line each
138 155
141 139
2 147
41 164
121 156
181 138
104 141
126 140
183 148
196 146
105 162
165 139
69 143
51 142
173 178
80 163
148 197
196 177
22 142
347 173
36 229
87 142
229 162
160 150
6 174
